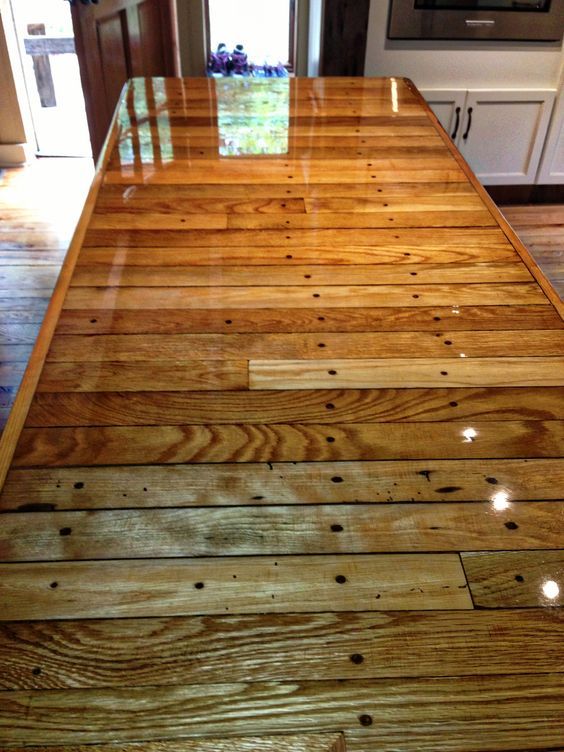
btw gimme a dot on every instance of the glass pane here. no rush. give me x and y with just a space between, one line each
263 28
527 5
44 28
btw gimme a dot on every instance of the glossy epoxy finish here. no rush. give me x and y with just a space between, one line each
294 460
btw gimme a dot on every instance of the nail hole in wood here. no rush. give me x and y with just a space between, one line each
64 531
341 579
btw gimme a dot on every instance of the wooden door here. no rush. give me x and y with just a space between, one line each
118 39
345 32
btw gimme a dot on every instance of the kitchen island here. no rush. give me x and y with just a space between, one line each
285 472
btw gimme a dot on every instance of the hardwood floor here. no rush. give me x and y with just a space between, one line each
541 228
39 207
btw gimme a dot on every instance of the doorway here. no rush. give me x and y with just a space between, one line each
46 43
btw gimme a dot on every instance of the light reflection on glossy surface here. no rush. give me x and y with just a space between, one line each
253 116
469 434
551 589
500 501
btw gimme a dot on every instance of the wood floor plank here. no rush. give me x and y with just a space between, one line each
514 579
139 445
114 195
304 347
461 245
148 220
478 218
322 296
496 481
237 585
432 169
451 710
407 373
198 321
280 530
305 742
172 375
298 406
134 275
176 650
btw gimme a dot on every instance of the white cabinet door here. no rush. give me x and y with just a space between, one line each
503 132
552 163
448 106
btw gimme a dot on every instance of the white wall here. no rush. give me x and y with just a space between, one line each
459 65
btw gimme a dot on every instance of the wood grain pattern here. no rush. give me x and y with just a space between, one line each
175 650
281 530
131 274
335 296
306 742
447 708
407 373
239 585
304 347
140 445
516 578
196 321
172 375
297 406
282 483
293 464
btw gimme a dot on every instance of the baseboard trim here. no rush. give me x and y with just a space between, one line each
526 194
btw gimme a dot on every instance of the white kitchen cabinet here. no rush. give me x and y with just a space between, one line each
552 162
500 133
448 106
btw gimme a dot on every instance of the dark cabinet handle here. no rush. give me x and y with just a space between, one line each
457 123
465 134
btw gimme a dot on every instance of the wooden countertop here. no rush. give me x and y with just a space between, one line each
288 456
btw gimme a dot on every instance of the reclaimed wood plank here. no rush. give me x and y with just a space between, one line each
407 373
198 321
304 347
280 530
322 296
305 742
450 710
139 445
515 578
496 481
238 585
297 406
133 377
350 645
133 275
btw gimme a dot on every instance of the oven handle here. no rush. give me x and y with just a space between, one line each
467 131
457 123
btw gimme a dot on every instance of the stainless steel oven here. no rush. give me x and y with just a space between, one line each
519 20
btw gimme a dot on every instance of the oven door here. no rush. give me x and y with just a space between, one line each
518 20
